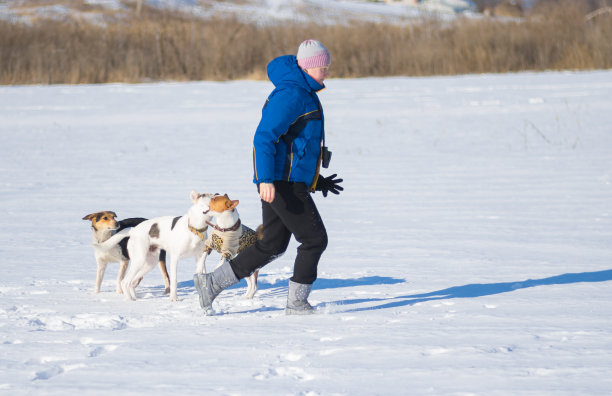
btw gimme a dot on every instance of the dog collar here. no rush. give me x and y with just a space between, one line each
198 232
235 227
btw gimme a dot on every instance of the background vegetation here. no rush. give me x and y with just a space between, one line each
173 46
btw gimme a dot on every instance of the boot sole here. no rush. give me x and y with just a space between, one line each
290 311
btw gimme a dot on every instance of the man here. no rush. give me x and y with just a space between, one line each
288 151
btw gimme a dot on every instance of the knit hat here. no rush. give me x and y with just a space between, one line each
313 54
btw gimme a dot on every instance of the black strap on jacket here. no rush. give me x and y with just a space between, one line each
294 131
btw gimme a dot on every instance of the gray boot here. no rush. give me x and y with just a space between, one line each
211 284
297 303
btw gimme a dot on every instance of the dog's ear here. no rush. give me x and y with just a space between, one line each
232 204
194 196
226 196
90 216
113 213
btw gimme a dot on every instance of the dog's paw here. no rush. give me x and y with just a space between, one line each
167 290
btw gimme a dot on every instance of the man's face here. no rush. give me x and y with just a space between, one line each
318 73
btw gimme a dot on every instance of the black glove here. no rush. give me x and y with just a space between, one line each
329 184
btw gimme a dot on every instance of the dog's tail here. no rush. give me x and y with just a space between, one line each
114 240
130 222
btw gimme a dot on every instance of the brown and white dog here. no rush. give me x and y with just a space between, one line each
105 225
229 236
180 237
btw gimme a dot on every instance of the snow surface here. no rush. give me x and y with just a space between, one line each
320 11
262 12
470 252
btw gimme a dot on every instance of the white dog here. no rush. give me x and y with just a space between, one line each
180 237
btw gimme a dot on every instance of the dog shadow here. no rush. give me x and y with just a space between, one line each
477 290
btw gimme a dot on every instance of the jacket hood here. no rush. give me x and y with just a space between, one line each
285 70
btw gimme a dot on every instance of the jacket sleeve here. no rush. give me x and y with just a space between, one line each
280 111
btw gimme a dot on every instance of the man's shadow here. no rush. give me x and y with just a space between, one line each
472 290
465 291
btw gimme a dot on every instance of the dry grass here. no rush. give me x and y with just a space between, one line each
169 46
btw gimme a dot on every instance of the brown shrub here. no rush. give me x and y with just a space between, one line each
173 46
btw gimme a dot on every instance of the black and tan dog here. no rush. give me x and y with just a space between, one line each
103 226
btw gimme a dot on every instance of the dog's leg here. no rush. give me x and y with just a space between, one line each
173 277
148 265
138 254
164 271
201 261
126 284
251 285
132 281
100 275
249 291
132 288
122 269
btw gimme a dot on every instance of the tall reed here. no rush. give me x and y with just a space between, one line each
172 46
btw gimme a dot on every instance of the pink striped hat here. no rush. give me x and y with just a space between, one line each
313 54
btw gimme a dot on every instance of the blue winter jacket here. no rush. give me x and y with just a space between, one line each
287 143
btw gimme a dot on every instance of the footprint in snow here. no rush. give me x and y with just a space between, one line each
48 373
98 348
97 351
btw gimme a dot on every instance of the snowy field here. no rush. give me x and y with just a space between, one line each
261 12
470 253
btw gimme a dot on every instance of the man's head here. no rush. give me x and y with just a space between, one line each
314 58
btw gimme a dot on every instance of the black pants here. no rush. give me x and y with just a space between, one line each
293 212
